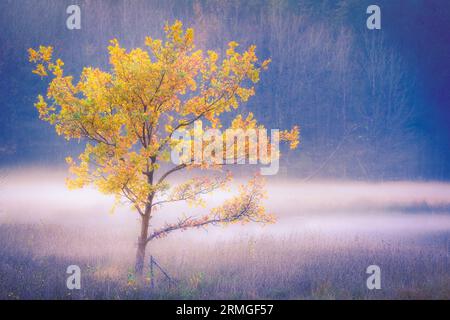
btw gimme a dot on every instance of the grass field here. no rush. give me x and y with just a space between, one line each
320 247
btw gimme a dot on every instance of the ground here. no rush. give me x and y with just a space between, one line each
319 249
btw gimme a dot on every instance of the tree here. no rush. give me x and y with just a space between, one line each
130 116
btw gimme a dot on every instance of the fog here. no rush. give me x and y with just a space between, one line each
39 196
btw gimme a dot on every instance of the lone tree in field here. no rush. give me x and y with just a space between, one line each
130 116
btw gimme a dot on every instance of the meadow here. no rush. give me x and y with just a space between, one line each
326 236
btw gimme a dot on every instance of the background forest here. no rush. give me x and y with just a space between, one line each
372 105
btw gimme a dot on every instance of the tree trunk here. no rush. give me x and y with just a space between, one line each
142 244
142 240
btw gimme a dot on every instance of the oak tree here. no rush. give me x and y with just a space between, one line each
128 118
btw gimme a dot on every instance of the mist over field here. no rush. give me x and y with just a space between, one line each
326 235
40 195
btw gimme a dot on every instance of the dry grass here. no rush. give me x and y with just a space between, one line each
33 260
326 236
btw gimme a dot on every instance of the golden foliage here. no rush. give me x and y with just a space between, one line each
129 114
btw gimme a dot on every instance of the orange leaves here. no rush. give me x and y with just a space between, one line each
177 37
129 115
80 173
58 68
291 136
116 53
265 64
193 189
174 32
42 54
42 107
212 60
33 55
189 37
245 207
232 45
42 58
240 123
46 53
40 70
94 85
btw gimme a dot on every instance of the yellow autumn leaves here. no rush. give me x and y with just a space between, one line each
129 114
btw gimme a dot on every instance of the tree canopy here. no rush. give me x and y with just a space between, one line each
129 115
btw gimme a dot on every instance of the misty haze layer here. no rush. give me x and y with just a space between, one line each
39 196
